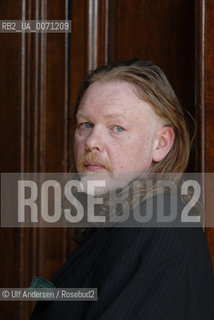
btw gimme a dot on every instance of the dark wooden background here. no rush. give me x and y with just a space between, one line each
40 75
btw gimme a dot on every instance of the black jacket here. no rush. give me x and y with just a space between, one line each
149 273
140 273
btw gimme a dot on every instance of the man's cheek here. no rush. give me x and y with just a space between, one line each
78 145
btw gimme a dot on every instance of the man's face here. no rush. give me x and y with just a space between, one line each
114 137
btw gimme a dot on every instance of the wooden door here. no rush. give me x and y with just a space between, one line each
40 75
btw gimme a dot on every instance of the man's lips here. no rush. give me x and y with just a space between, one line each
94 166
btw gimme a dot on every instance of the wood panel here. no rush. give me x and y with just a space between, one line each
40 76
53 129
103 32
29 139
208 10
10 103
36 104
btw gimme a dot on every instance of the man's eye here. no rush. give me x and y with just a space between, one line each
118 129
86 125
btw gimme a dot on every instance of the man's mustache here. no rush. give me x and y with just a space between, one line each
92 157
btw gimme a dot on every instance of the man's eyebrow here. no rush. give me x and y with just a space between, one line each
116 115
111 115
80 114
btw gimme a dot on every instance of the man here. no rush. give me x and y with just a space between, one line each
130 124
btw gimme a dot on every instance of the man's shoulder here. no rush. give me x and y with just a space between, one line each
164 243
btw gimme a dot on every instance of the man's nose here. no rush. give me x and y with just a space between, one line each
95 140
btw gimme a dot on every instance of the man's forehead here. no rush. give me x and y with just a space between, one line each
116 91
114 98
121 115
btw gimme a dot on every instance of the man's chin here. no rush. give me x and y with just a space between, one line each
94 184
97 183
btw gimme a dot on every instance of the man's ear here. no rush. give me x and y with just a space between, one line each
163 143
